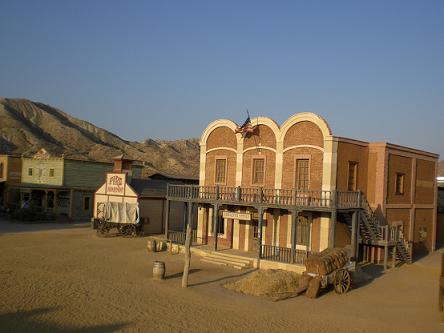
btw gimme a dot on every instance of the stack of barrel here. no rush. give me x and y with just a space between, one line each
327 261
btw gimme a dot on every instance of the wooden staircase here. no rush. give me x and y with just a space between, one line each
374 229
225 259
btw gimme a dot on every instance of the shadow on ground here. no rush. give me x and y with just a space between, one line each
26 321
224 278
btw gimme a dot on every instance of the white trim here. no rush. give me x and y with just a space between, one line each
303 146
259 147
221 148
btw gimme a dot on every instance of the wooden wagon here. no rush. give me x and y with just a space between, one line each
331 267
120 216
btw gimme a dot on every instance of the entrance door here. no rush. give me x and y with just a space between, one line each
255 233
303 233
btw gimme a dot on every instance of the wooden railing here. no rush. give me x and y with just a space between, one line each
256 195
283 254
178 237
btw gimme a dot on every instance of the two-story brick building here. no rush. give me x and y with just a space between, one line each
285 191
60 186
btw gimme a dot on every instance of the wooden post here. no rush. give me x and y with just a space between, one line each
294 218
215 224
167 218
385 255
331 234
184 224
354 240
259 231
394 257
186 268
441 284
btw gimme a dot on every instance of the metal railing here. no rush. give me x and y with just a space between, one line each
283 254
258 195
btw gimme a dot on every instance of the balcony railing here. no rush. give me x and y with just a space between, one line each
283 254
257 195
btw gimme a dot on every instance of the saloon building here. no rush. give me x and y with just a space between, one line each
282 192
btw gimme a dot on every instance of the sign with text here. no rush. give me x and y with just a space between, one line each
237 216
115 183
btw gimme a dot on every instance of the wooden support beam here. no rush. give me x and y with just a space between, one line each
215 224
184 224
386 252
167 217
294 218
394 257
186 268
260 212
354 238
331 234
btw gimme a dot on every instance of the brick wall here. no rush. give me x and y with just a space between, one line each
304 132
348 152
399 164
425 182
210 166
289 167
222 137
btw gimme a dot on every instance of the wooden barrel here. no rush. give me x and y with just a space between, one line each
158 270
151 245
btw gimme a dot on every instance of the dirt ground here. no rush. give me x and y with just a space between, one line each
64 278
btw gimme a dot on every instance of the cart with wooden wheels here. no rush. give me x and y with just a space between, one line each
130 226
331 267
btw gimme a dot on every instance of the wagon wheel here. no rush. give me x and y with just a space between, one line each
342 281
102 229
129 230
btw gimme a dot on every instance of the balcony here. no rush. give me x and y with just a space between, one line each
257 196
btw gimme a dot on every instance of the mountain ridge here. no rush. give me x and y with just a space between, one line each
26 126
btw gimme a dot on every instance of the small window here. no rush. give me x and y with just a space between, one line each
258 171
221 168
86 203
302 174
30 171
51 172
352 184
400 181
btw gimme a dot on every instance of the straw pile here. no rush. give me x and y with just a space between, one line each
266 283
327 261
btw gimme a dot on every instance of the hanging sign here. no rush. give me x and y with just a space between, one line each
115 183
236 216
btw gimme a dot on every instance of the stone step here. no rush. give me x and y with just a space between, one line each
232 257
217 261
234 261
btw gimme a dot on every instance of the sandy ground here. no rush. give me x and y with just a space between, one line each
64 278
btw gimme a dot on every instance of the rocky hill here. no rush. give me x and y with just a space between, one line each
27 126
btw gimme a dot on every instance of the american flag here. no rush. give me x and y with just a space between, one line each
246 128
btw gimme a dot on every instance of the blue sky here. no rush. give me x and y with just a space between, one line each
164 69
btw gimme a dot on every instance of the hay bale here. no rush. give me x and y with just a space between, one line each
314 286
266 283
327 261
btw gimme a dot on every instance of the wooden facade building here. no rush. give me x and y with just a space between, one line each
10 175
149 195
59 186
